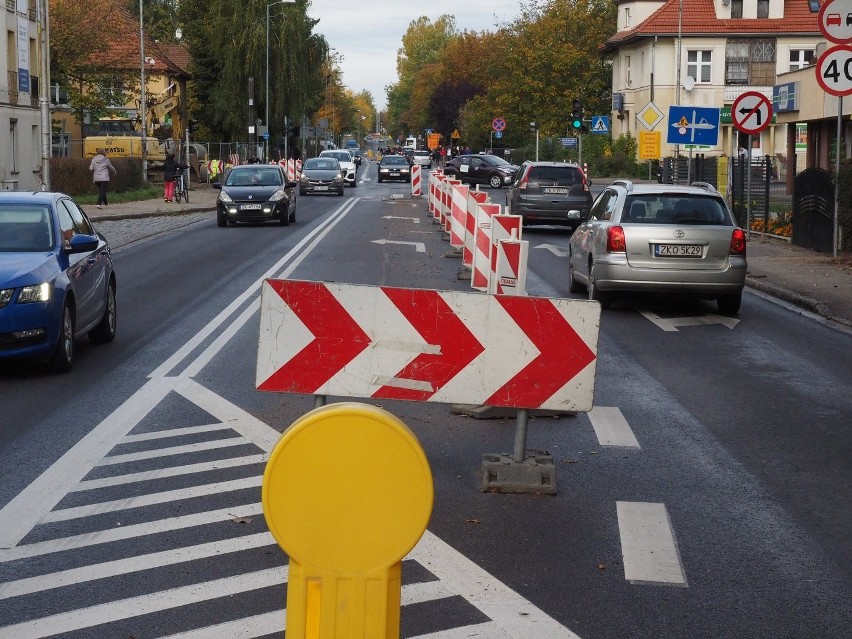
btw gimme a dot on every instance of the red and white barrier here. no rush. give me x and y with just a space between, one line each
435 178
510 275
481 267
416 180
447 203
503 227
458 214
474 199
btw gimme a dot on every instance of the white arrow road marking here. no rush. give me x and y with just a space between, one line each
401 217
558 251
671 324
611 427
648 544
420 246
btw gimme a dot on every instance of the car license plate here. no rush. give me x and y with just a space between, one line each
555 191
321 188
677 250
394 174
246 207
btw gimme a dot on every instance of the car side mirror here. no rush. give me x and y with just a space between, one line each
290 184
217 185
82 243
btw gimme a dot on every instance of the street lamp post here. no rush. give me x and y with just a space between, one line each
142 95
265 145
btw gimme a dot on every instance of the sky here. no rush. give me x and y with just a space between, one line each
368 35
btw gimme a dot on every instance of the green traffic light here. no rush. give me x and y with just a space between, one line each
577 124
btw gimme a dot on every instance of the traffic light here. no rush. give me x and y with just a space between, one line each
577 114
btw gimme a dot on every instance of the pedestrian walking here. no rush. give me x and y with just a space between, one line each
170 169
101 167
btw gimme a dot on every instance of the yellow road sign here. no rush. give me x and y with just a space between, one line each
456 135
347 493
649 145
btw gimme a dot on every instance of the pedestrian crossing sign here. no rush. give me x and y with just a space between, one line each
600 124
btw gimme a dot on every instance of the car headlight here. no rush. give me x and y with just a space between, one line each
5 296
383 170
37 293
224 197
304 179
277 196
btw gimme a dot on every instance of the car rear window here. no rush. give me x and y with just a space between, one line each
555 175
680 208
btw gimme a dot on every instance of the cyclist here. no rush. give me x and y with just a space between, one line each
171 167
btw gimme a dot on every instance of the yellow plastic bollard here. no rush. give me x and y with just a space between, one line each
347 493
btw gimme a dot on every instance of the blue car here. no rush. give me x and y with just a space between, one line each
56 279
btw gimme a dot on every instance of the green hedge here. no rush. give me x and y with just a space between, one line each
72 176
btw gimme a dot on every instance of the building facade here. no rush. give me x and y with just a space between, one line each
706 53
20 115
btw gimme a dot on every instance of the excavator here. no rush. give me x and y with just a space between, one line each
121 137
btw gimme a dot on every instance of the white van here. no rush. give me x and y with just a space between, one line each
410 144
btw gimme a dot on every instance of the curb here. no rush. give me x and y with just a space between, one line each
797 299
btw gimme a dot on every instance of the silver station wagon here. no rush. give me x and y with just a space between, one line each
659 239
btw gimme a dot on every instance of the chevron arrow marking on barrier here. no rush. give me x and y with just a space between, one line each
562 354
333 346
438 324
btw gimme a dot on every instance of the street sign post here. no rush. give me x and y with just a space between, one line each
751 112
693 125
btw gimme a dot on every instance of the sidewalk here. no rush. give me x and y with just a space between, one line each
815 281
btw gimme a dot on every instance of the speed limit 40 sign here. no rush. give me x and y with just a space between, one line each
834 70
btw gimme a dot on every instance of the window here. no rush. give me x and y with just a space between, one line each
762 8
627 17
736 9
801 58
698 65
627 78
13 139
750 62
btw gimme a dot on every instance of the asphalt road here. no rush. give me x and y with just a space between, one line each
706 495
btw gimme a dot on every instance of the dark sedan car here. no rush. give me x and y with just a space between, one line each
550 193
394 167
322 175
256 193
56 279
481 169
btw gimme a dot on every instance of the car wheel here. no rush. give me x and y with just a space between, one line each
104 332
495 181
573 285
302 192
594 292
729 304
340 192
293 214
63 356
380 180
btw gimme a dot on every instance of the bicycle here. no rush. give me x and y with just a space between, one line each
180 187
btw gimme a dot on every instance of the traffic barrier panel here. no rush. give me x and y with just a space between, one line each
474 199
503 227
447 200
458 215
482 246
347 493
435 178
416 185
511 270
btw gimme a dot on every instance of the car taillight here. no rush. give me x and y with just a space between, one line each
524 180
585 181
738 242
615 242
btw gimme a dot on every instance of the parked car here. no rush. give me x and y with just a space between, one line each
394 167
659 239
346 163
422 157
550 193
256 193
56 279
482 169
321 175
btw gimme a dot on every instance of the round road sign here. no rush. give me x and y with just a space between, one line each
751 112
834 70
498 124
835 21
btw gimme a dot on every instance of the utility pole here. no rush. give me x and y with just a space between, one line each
251 112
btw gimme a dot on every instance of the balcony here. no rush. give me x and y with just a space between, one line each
733 91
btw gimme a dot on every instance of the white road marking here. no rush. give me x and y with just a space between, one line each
416 220
173 471
174 432
558 251
648 545
133 564
420 247
671 324
484 631
246 628
110 535
171 451
66 514
611 428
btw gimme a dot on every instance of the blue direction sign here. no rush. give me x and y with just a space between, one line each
693 125
569 143
600 124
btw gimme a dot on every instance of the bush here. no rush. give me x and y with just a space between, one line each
72 175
